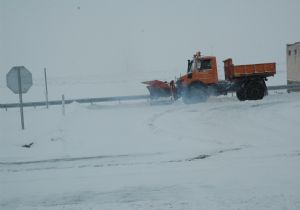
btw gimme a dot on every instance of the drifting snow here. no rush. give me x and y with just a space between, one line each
223 154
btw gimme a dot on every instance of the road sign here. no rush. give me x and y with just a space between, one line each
12 79
19 80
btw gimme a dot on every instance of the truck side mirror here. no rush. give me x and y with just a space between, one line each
189 65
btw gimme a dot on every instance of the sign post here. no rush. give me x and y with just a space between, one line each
19 80
20 97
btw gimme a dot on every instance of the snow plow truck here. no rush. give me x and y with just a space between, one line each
201 81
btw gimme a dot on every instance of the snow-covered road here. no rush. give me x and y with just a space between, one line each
223 154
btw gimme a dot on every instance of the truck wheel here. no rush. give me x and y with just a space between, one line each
195 93
255 90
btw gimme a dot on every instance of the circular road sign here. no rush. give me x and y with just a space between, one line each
13 82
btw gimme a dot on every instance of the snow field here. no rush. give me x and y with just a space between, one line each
223 154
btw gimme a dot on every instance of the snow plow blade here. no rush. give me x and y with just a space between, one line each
159 89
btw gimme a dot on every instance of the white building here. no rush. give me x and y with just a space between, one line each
293 63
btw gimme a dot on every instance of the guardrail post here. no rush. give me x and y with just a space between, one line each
63 105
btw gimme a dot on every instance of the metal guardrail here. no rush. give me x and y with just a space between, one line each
118 98
283 87
83 100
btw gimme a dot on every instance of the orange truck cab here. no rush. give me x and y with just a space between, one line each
203 70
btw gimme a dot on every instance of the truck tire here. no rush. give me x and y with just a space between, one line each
255 89
195 93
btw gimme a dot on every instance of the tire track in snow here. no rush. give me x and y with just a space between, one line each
151 121
72 163
55 160
184 112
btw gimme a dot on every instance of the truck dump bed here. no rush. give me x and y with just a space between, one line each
233 72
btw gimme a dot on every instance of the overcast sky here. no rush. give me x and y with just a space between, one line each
91 37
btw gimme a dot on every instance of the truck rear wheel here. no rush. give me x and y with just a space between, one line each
195 93
252 90
255 89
